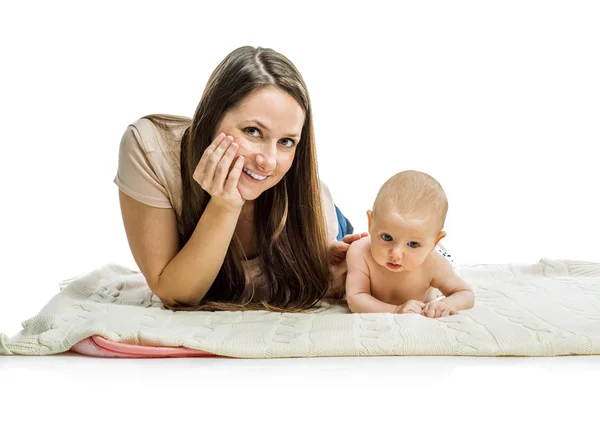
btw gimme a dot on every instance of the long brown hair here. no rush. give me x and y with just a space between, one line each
289 224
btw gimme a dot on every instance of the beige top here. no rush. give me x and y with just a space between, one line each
149 171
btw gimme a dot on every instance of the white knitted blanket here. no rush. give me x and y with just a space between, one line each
545 309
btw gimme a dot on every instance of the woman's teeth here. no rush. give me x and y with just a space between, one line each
253 175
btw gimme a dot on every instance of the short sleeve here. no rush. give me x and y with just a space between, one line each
135 175
330 213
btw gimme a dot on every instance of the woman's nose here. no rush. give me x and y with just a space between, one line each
266 157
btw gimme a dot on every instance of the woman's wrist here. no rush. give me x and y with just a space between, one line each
225 208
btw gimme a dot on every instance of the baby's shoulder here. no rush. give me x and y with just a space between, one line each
436 265
361 246
359 253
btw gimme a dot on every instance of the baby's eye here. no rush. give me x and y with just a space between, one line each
413 244
251 131
289 143
386 237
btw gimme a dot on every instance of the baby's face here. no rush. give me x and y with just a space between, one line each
401 244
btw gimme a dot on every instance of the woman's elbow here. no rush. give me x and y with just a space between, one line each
171 299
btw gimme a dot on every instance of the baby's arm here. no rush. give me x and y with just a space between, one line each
459 294
358 284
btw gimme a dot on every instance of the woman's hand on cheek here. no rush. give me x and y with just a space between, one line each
219 170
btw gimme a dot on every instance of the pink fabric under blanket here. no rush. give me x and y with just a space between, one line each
100 347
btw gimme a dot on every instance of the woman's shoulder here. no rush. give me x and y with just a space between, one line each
149 161
159 133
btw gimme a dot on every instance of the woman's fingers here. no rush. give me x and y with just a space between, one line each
338 250
339 246
349 239
214 144
212 161
224 166
201 167
234 174
218 171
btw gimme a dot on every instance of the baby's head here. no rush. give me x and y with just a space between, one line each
407 220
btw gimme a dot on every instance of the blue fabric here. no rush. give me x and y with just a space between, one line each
345 227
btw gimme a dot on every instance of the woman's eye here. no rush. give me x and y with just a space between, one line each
413 244
386 237
287 142
251 131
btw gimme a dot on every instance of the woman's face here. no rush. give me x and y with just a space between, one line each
267 126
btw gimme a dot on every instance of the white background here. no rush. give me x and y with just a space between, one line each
497 100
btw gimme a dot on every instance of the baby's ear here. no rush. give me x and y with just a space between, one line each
370 218
439 237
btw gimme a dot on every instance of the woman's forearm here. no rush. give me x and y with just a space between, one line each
190 274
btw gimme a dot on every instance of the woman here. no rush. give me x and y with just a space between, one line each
226 211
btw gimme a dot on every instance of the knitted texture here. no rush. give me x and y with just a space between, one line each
545 309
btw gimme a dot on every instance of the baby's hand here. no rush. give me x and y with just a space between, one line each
410 307
438 308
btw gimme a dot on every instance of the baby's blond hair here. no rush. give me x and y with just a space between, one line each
413 193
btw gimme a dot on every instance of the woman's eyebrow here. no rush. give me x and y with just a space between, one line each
264 127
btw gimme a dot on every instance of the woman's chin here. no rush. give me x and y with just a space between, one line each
249 195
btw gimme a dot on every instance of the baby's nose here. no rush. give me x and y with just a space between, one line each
396 253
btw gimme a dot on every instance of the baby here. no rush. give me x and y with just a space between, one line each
398 268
